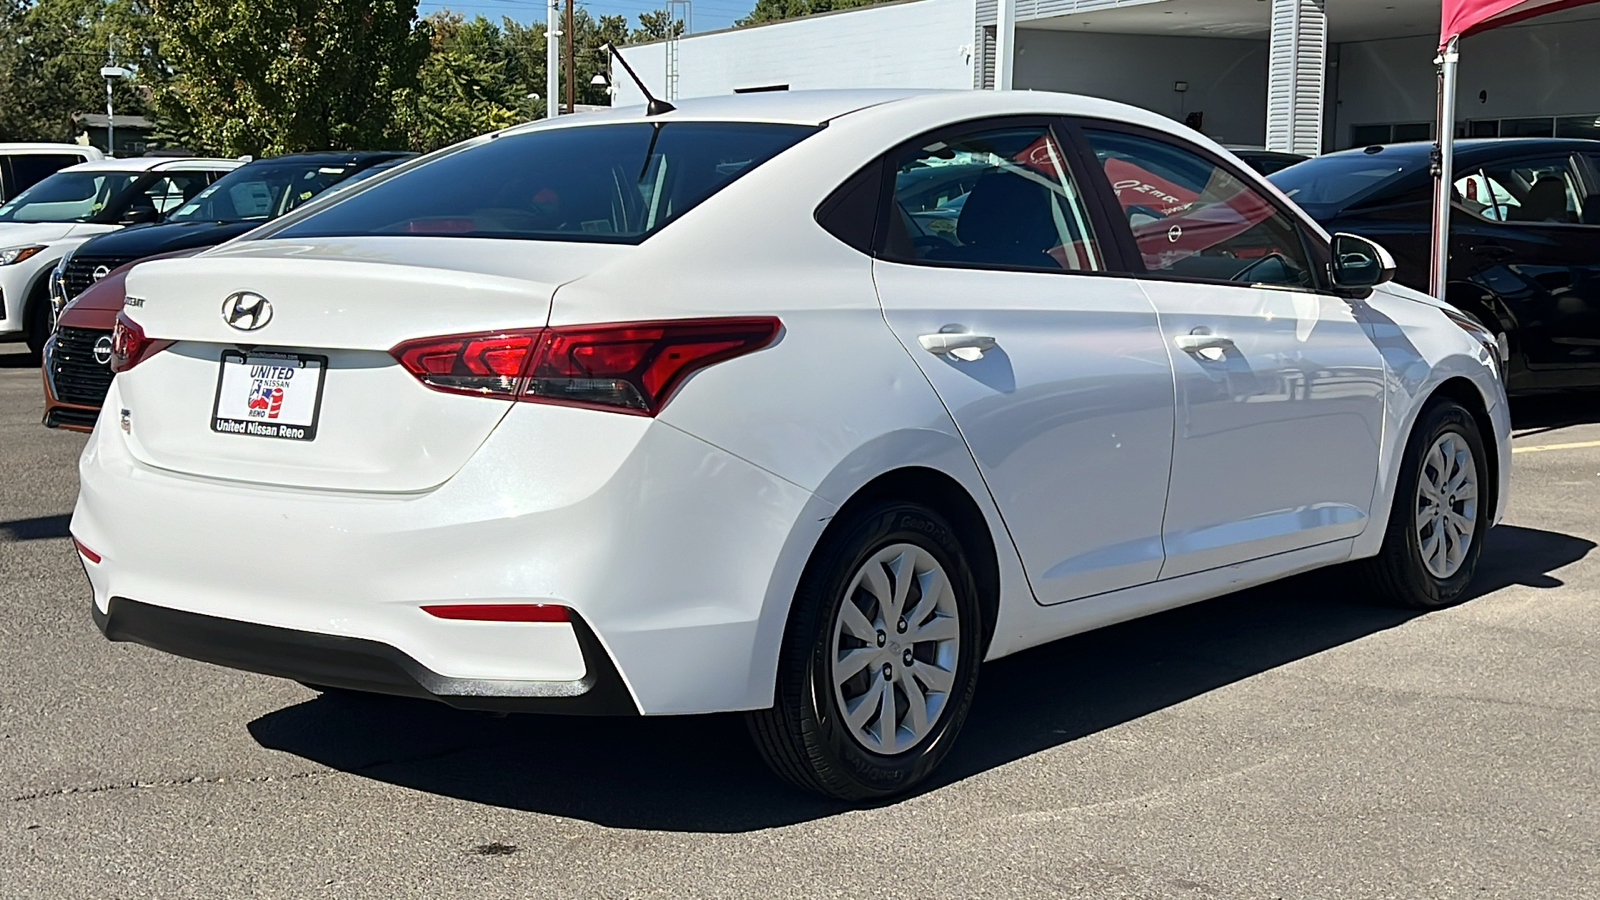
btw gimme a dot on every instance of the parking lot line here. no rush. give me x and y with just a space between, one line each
1573 446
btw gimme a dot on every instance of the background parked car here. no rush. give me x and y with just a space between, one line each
76 370
62 211
1524 238
254 193
1266 161
24 165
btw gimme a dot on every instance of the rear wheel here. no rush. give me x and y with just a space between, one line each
880 658
1440 512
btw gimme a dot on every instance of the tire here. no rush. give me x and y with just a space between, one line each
39 326
809 737
1412 569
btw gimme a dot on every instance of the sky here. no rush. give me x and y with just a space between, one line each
709 15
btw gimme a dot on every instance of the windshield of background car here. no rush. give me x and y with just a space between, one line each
67 197
260 191
596 183
1328 184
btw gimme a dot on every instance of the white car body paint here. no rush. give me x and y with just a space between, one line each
681 538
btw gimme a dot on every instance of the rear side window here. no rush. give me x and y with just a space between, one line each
596 183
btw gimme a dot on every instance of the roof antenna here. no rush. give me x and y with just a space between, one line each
655 107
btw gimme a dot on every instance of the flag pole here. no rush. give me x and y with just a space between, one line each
1444 167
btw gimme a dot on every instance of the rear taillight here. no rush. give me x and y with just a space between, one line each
498 612
628 367
130 346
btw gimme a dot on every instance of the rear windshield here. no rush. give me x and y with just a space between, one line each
1326 185
599 183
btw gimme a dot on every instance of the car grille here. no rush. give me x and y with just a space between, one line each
78 274
74 373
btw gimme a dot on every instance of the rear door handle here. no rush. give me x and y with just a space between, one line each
1193 343
1493 251
961 345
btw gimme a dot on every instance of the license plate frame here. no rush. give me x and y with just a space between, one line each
267 425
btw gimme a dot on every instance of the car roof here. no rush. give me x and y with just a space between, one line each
1470 148
154 164
19 148
333 156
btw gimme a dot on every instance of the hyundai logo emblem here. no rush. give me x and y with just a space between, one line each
100 272
102 350
246 311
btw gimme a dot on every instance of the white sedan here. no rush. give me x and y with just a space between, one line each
799 404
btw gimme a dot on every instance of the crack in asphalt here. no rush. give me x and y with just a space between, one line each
166 782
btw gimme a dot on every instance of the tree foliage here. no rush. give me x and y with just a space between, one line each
778 10
263 77
271 76
51 52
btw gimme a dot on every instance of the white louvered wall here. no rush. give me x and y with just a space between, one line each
1297 74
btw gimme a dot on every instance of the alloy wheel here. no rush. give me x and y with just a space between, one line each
1447 504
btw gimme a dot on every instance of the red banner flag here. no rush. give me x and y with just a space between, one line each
1463 17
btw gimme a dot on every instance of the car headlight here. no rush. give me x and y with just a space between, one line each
12 255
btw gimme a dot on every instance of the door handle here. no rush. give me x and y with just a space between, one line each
1193 343
1493 251
961 345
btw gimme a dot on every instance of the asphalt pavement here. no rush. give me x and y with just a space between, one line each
1293 741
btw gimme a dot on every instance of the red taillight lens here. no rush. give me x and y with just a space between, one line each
483 365
130 346
498 612
628 367
88 554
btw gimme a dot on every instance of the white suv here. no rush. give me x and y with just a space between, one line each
801 404
67 208
22 165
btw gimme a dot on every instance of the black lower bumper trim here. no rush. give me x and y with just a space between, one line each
363 665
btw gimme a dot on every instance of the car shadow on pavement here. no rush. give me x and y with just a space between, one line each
1537 413
40 528
701 773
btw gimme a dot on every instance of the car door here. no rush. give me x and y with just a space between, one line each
1532 239
1279 410
994 277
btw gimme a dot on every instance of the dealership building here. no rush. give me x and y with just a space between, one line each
1307 76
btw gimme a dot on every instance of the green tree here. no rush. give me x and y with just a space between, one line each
276 76
657 25
463 89
51 52
778 10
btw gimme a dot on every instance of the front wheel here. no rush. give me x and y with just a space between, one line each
1440 512
880 658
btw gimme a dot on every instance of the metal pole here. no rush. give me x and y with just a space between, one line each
552 59
111 128
1005 44
1444 168
572 65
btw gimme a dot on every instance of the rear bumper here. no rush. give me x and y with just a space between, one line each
358 664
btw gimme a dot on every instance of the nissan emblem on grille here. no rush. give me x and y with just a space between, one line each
100 272
246 311
102 350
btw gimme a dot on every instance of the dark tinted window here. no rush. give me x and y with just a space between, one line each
1001 198
851 212
28 169
600 183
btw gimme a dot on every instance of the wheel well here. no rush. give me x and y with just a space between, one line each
947 497
36 300
1464 392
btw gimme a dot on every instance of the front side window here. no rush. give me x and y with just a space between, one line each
1002 198
67 197
1542 190
1192 218
594 183
169 192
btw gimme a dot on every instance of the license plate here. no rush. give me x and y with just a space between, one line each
272 395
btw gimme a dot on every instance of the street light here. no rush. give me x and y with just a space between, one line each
108 73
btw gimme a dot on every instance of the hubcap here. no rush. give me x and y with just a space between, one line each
1447 504
894 651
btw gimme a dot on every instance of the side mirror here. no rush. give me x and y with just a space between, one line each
140 215
1359 264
